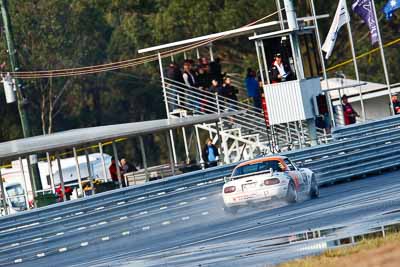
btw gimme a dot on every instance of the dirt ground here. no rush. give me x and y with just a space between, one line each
372 253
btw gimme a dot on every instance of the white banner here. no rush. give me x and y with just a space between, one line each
341 18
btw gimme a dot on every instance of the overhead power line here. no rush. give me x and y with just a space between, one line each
120 64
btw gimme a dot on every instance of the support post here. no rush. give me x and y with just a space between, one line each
185 144
353 53
60 174
292 22
78 171
3 194
383 59
50 168
103 163
166 103
144 160
89 171
116 159
199 147
328 96
219 140
33 185
171 157
280 15
224 146
312 131
25 183
210 47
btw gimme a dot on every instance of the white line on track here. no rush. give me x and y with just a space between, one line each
161 193
18 261
106 238
143 213
40 255
123 218
37 239
125 233
84 244
57 218
99 208
79 213
121 202
62 249
183 203
166 223
203 198
181 188
102 223
164 208
81 228
60 233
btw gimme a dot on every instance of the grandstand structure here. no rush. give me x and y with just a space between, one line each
248 133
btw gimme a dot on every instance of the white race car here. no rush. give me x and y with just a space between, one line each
267 178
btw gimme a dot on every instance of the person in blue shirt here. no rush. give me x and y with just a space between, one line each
252 87
210 154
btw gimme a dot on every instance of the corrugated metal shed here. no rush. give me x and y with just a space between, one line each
291 101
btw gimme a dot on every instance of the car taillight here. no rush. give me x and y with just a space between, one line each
272 181
229 189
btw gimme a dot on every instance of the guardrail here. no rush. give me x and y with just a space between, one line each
366 128
332 162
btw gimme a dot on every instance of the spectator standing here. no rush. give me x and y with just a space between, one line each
252 87
127 167
204 83
210 154
190 82
113 171
174 75
396 105
229 91
349 113
216 70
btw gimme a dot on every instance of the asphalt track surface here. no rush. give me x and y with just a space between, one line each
190 228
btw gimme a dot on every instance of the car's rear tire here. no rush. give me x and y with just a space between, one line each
231 210
291 195
314 188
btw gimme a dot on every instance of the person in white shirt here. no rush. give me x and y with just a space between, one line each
280 71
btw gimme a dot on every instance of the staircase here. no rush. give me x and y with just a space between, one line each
244 135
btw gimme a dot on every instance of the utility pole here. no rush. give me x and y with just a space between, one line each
22 101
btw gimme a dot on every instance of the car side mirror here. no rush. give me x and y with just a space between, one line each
227 179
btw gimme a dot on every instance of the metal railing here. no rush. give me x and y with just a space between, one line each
333 162
253 121
366 128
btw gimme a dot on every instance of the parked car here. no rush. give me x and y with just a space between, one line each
265 179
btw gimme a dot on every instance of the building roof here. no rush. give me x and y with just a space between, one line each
94 135
369 89
243 31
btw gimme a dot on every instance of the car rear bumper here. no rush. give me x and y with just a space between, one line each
259 195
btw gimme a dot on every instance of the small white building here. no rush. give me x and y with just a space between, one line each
375 97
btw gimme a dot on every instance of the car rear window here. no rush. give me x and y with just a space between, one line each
257 167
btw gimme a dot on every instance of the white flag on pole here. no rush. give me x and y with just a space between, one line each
341 18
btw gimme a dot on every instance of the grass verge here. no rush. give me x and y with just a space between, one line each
382 252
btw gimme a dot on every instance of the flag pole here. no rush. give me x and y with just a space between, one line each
353 52
313 13
383 58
